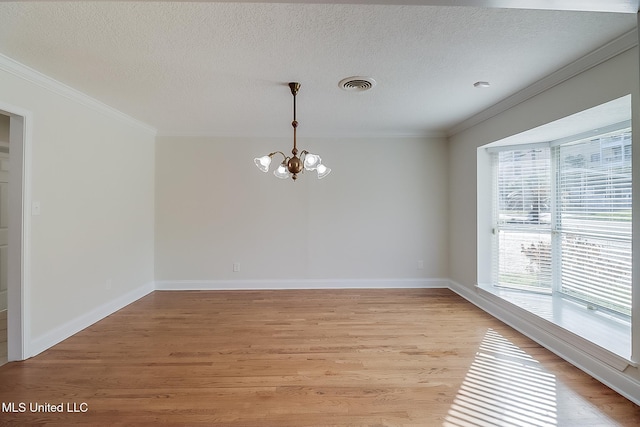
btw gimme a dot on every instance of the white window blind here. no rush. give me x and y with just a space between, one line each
523 250
594 220
563 220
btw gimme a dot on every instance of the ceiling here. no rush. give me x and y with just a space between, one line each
221 69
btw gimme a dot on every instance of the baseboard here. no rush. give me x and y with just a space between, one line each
74 326
3 300
218 285
622 383
59 334
626 385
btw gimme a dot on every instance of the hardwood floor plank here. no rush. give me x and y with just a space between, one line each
306 358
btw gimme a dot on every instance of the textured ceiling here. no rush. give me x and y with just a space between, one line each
221 68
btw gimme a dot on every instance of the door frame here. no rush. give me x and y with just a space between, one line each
19 252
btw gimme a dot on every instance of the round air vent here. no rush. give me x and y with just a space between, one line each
357 84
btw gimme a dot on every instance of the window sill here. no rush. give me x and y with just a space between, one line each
598 333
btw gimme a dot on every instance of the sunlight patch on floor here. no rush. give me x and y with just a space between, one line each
504 387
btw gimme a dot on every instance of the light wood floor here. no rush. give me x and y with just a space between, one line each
307 358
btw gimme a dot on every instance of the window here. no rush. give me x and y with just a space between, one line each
523 229
562 220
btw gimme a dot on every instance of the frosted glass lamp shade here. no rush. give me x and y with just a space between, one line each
282 172
311 161
322 171
263 163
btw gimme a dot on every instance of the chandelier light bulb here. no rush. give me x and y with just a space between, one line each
263 163
282 172
322 171
311 161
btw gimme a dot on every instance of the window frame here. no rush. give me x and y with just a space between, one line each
556 288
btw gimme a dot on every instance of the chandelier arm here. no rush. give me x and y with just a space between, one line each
276 152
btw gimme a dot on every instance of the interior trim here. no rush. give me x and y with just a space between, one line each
29 74
64 331
516 317
218 285
617 46
609 375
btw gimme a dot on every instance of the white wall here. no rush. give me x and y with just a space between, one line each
93 174
610 80
383 208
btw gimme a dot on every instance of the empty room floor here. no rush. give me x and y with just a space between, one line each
403 357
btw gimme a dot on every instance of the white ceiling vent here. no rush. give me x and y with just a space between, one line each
357 84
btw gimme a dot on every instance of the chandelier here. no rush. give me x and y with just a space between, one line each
292 166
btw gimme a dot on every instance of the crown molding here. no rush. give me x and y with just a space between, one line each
24 72
428 135
615 6
617 46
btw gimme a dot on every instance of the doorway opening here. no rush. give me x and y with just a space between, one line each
14 232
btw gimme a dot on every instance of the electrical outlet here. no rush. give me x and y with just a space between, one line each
236 267
420 265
